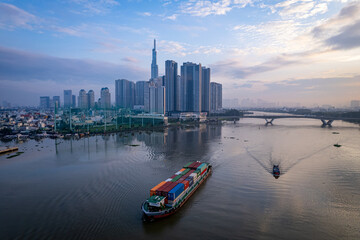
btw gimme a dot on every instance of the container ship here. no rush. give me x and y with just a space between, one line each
170 195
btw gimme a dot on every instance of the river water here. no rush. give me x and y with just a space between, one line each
93 188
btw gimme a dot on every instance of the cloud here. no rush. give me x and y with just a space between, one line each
18 65
96 6
237 71
171 17
130 59
145 14
205 8
342 31
12 17
300 9
348 38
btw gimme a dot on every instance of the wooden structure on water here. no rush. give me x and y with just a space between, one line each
8 150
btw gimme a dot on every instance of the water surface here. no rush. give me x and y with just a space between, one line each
93 188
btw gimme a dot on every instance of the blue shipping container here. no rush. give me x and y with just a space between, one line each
201 167
176 191
190 180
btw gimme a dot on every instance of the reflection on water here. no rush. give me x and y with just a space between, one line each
92 188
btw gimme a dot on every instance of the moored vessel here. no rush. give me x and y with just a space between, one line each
169 196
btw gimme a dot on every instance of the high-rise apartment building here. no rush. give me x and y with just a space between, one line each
91 99
191 79
140 87
171 86
205 90
73 101
45 102
124 93
215 96
105 98
56 101
154 98
154 66
67 98
82 99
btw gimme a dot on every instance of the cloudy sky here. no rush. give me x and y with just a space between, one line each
305 51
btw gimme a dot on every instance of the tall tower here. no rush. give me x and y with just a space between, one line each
154 66
171 73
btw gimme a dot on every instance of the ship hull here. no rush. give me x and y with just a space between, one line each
151 216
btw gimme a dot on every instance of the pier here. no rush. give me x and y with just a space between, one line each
8 150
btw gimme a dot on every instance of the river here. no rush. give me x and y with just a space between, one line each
93 188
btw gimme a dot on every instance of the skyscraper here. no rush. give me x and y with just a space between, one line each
105 98
215 96
191 79
56 101
91 99
171 86
124 93
154 66
140 87
82 99
73 101
205 90
45 102
67 98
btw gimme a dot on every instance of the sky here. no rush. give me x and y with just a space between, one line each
305 51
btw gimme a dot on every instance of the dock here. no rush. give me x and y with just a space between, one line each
8 150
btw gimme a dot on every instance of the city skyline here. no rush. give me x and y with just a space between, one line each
298 51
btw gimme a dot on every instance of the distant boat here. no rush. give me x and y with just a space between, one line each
276 171
337 145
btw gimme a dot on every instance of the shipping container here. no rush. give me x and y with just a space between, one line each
191 166
188 164
202 167
190 180
203 171
161 188
196 165
153 190
194 175
178 173
172 203
175 192
165 191
186 184
176 178
168 180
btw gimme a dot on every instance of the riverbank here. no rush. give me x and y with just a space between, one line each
97 131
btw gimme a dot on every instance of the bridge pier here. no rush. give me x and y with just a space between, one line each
269 121
326 122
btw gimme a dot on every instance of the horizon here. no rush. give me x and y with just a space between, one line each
302 51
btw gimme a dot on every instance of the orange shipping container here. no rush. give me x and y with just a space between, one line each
182 169
153 190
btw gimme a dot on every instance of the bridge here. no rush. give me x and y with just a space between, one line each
326 120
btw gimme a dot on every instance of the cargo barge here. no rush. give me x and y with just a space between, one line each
169 196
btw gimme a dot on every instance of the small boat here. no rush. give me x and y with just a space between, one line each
276 171
337 145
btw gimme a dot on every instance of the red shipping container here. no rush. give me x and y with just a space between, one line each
186 184
204 171
160 189
197 164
